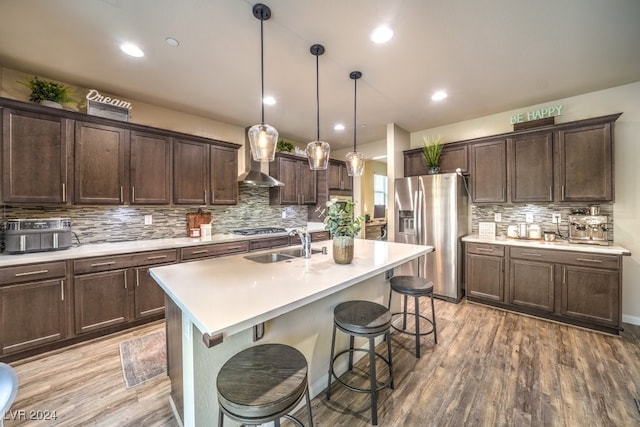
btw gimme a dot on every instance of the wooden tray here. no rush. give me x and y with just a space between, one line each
194 219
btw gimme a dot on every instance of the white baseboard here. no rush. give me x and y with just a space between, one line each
634 320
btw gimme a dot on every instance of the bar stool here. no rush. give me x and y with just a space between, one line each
416 287
368 320
262 384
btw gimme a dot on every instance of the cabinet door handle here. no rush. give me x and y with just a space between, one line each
121 194
137 278
156 257
234 247
64 192
124 272
551 193
484 250
102 264
31 273
531 254
133 194
205 196
202 251
213 197
562 193
564 276
61 290
589 260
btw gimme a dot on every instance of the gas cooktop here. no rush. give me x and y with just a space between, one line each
253 231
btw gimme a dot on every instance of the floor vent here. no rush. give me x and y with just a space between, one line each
637 404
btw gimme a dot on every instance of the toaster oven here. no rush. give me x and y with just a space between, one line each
37 235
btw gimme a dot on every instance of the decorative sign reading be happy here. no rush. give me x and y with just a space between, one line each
541 113
95 96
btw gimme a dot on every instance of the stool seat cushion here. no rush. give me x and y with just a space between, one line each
362 316
262 380
411 285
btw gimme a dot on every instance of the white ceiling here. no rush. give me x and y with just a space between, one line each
490 55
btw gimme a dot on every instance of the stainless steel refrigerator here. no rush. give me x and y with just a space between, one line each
434 210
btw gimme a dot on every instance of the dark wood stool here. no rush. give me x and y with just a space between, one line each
415 287
369 320
263 383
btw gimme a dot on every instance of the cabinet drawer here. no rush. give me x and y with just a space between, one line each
485 249
320 235
272 242
532 254
154 257
32 272
586 259
106 263
219 249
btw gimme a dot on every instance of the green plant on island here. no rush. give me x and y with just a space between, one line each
284 146
432 150
43 90
339 220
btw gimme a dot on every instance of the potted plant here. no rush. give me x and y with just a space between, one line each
48 93
431 151
284 146
340 221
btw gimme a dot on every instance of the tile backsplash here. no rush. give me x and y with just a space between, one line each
542 215
99 224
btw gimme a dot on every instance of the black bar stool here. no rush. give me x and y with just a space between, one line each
263 383
369 320
415 287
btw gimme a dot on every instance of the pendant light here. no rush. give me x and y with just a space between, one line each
355 160
318 151
263 137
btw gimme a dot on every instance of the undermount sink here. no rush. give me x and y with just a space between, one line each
269 258
279 255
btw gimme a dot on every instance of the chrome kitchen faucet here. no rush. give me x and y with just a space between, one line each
305 239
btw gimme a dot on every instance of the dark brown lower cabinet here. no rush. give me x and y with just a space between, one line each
101 300
572 287
148 296
485 271
531 284
32 314
591 294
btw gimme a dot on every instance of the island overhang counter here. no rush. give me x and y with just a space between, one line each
221 300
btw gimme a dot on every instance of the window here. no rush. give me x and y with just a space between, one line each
379 195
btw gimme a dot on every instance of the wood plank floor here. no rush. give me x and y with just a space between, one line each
489 368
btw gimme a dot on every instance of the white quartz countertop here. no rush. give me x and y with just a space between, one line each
102 249
230 294
558 244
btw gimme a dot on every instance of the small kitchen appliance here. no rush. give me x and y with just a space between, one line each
590 229
37 235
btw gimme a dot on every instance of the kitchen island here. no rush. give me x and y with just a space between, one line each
216 307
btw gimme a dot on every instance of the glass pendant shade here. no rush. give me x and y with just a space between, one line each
318 155
355 163
263 139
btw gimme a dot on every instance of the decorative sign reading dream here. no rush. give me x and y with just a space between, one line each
541 113
105 106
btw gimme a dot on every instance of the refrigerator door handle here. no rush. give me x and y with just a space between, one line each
415 217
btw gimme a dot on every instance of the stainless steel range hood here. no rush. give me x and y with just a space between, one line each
257 174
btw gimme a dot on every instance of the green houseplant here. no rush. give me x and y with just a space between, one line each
43 91
340 221
284 146
431 151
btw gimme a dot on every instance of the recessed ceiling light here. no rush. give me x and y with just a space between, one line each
439 95
131 50
172 42
269 100
338 126
382 34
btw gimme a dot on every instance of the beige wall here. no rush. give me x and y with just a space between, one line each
371 167
622 99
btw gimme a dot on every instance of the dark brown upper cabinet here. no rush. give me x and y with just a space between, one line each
36 150
204 173
337 176
453 156
101 154
150 169
531 167
585 163
488 168
300 182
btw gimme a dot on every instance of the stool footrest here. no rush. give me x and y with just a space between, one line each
408 331
379 386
